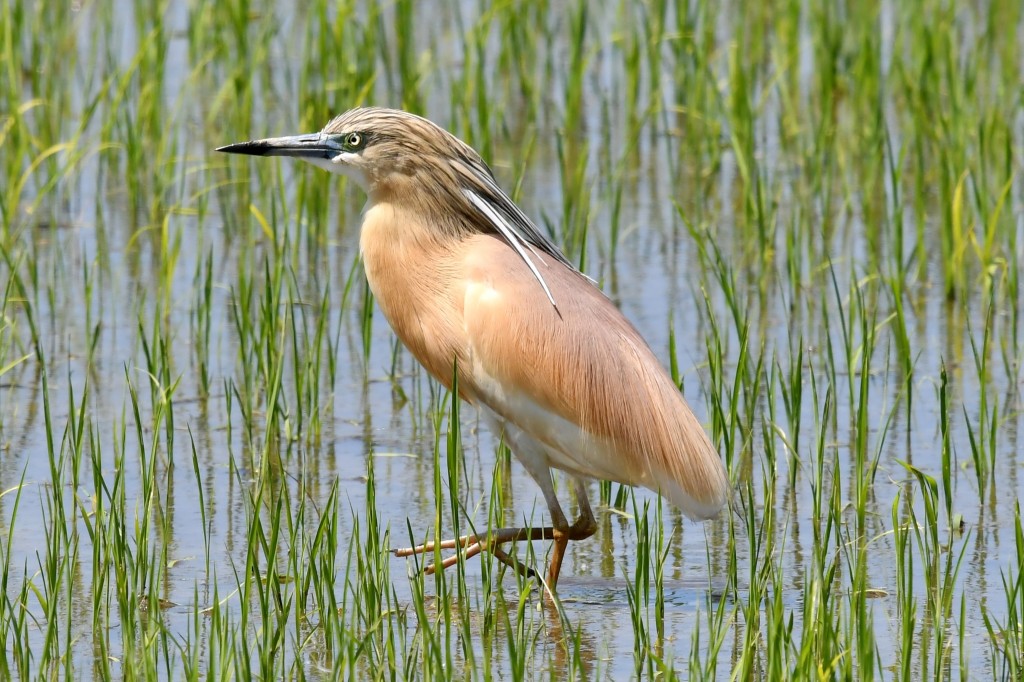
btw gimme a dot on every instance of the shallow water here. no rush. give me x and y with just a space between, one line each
103 270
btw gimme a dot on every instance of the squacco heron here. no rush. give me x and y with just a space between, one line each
475 291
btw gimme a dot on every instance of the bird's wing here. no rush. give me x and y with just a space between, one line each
582 381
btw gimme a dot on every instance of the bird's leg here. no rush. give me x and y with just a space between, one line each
581 529
560 532
532 455
475 544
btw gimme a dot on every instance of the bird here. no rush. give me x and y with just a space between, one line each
487 303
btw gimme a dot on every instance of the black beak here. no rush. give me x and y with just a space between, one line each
314 146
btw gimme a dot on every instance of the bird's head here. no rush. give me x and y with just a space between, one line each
378 148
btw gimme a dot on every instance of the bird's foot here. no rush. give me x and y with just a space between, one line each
583 528
471 545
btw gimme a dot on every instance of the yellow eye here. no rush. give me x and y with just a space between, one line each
353 141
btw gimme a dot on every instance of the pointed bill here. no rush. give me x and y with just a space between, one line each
312 146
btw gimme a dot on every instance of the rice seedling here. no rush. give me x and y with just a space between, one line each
210 440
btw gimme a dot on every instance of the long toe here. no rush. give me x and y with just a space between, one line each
471 545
